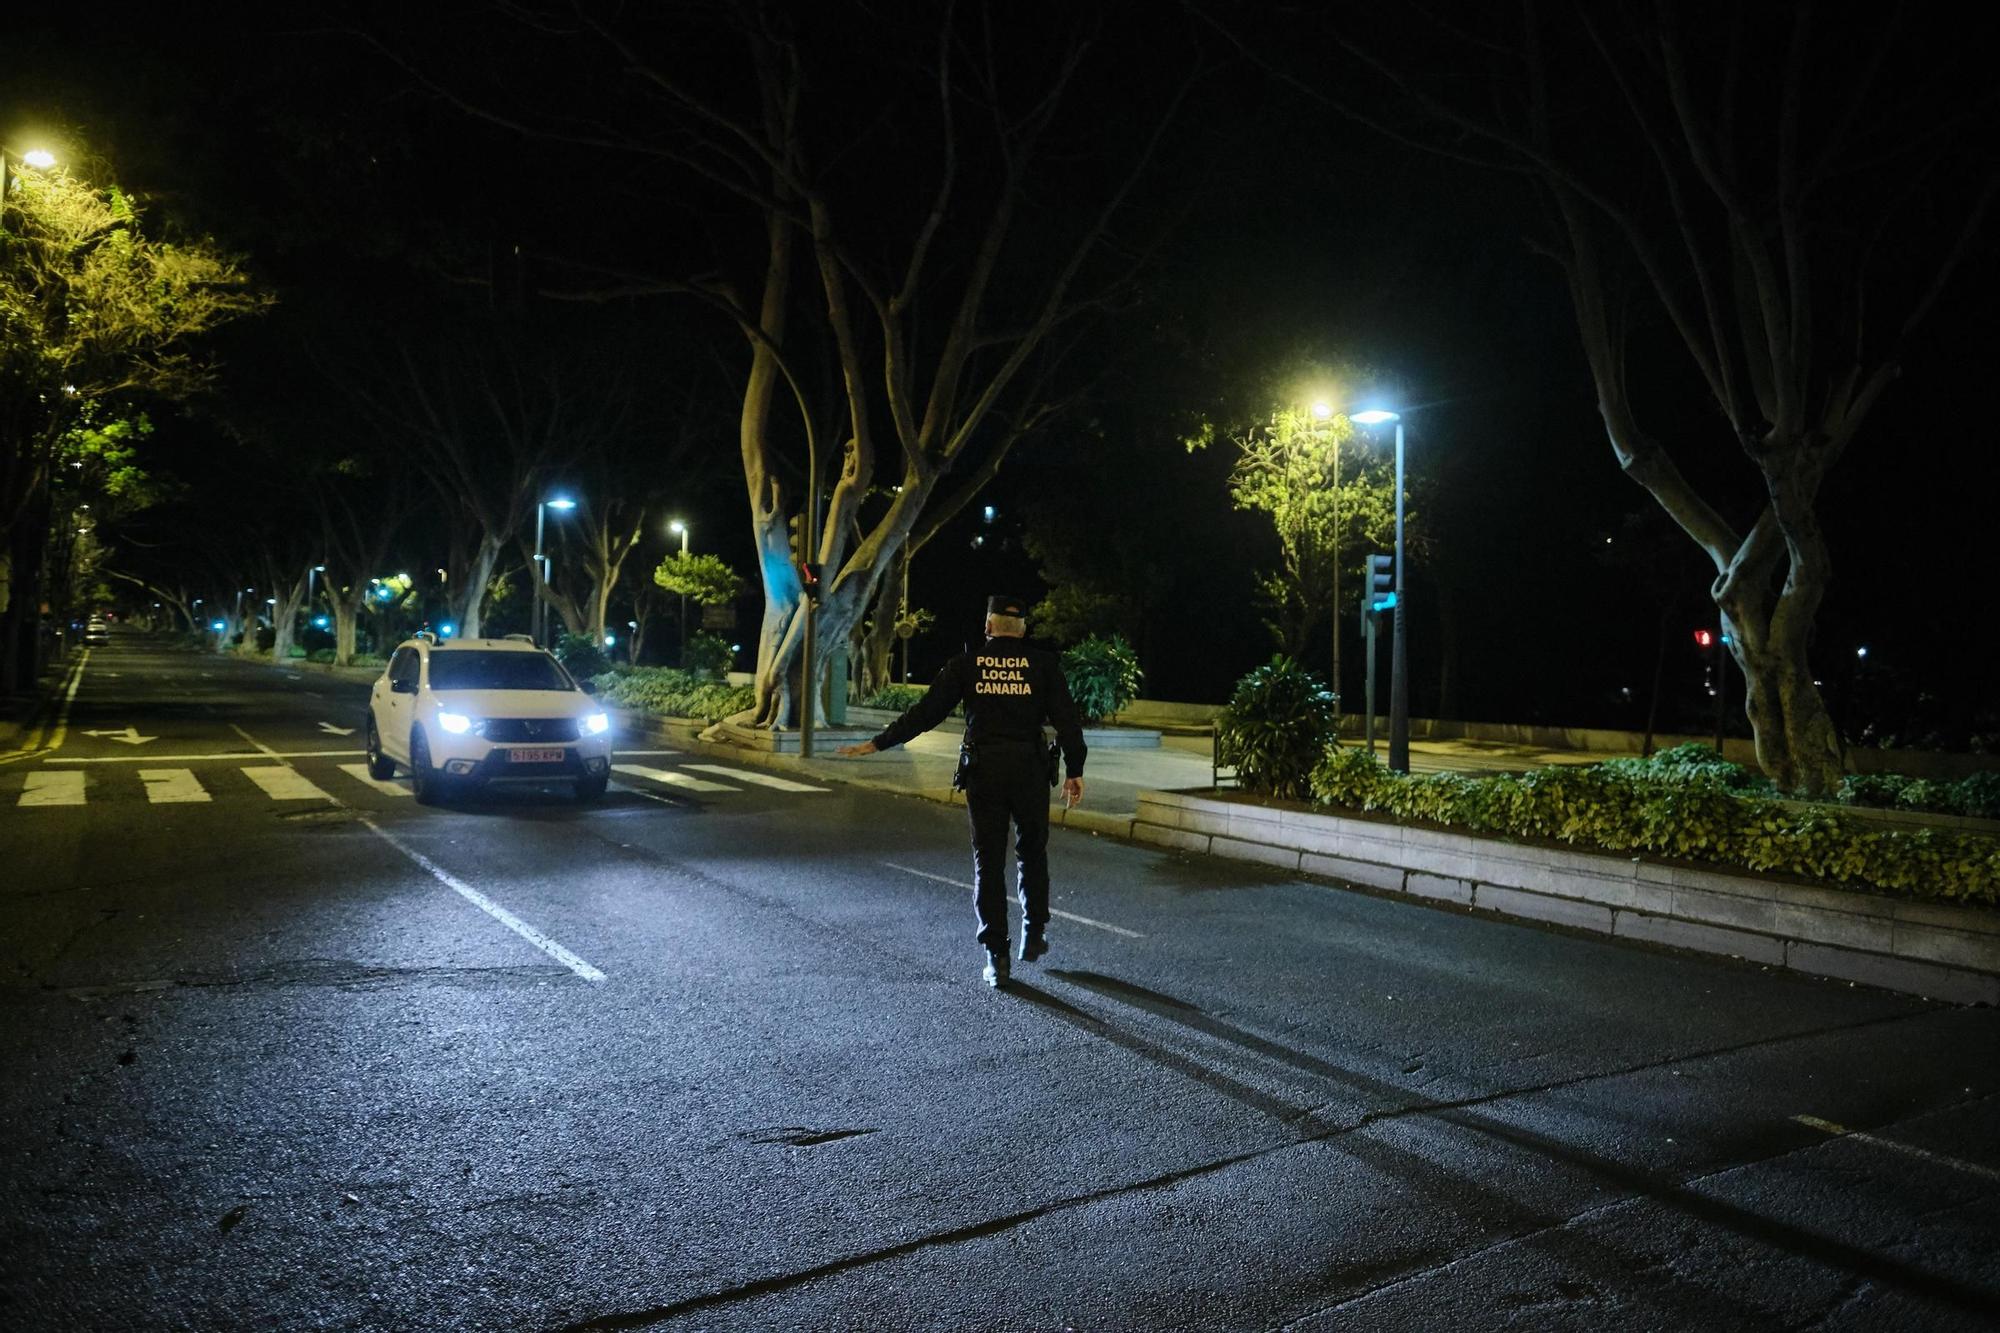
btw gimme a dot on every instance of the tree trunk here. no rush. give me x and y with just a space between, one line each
472 592
880 644
346 617
284 616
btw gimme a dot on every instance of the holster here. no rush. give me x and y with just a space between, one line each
1054 760
968 759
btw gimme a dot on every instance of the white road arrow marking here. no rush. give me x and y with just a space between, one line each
338 731
129 736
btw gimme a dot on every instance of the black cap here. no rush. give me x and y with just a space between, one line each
999 604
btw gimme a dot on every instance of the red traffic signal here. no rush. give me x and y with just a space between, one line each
1704 638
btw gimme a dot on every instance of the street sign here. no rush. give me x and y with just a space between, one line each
718 617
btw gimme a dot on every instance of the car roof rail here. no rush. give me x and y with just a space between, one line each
426 636
521 638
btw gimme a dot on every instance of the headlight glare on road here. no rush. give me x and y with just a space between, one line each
455 723
597 724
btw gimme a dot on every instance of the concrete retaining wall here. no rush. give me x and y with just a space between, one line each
1930 949
1937 766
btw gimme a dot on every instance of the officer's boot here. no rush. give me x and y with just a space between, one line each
997 970
1033 944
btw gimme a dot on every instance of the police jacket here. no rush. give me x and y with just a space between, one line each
1009 688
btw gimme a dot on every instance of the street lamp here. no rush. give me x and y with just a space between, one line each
39 158
1323 412
539 616
682 529
312 576
1399 675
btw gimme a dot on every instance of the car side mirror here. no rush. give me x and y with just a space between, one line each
402 687
587 686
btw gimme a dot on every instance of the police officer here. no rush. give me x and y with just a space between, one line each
1009 688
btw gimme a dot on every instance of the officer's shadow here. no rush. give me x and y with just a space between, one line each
1186 1015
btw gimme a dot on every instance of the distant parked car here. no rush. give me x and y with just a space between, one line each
464 712
96 633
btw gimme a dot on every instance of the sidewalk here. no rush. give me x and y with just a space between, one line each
1113 778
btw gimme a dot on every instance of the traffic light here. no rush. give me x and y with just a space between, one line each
1704 638
1378 592
809 579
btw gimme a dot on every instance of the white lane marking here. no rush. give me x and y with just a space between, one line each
360 773
1053 911
462 889
488 906
757 779
57 788
645 754
285 784
171 786
332 730
671 778
1908 1150
239 756
62 718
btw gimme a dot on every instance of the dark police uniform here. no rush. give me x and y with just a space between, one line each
1009 688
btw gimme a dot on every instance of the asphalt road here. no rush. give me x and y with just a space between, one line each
284 1050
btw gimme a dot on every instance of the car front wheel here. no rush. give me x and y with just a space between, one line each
380 766
591 789
431 787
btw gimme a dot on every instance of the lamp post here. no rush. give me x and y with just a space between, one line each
682 529
538 616
1399 675
1323 411
38 158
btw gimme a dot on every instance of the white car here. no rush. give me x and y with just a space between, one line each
464 712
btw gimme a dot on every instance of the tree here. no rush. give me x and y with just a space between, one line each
490 405
1326 528
910 279
93 309
1754 202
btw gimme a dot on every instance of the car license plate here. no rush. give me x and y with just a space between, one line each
522 756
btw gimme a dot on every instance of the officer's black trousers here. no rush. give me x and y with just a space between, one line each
1009 782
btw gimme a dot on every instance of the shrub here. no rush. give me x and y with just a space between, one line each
583 655
1278 725
323 656
1877 789
1103 676
295 651
1616 807
1977 796
368 660
673 692
1693 762
708 656
897 697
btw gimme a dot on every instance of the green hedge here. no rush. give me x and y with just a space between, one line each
1618 807
1977 797
674 693
897 697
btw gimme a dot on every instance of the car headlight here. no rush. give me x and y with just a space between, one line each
455 723
596 724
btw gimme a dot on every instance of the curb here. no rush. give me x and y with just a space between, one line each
34 724
1931 949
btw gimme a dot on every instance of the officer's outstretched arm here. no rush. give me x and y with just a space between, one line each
936 705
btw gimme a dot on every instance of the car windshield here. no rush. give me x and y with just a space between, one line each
477 669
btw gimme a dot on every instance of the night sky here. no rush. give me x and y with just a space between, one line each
300 136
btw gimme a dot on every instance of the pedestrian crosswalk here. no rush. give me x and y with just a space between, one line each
331 784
